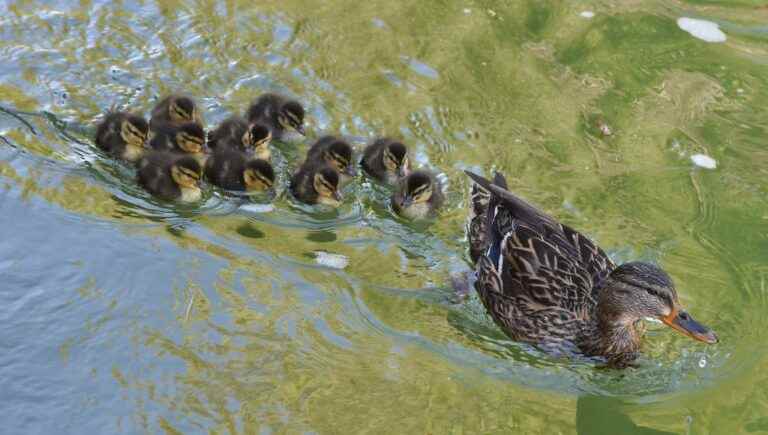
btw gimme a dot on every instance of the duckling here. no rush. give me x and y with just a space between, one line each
123 135
316 184
386 160
418 196
174 109
170 176
234 170
279 113
236 133
188 137
335 152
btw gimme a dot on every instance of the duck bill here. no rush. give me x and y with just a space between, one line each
300 129
338 196
351 171
402 171
683 322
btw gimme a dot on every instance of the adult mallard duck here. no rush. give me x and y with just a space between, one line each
544 283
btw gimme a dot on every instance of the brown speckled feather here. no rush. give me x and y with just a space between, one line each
536 277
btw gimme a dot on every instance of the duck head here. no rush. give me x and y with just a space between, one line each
291 116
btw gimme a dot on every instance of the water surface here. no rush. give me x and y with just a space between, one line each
122 314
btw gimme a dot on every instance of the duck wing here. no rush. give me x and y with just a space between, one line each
537 261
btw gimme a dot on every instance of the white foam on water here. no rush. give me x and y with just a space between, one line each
335 261
704 161
702 29
257 208
587 14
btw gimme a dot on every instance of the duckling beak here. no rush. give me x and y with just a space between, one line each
300 129
351 170
683 322
338 196
402 171
407 202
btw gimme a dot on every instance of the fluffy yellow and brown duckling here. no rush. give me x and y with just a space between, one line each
418 196
234 170
123 135
335 152
317 183
236 133
187 137
544 283
386 160
170 176
174 110
279 113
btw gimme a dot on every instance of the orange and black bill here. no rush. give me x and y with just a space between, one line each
683 322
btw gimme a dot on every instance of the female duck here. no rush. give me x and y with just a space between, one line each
170 176
385 160
233 170
279 113
123 135
418 196
236 133
544 283
316 184
174 110
336 153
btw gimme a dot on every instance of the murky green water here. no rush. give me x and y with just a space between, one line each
123 315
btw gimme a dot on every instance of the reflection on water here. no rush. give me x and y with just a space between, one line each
126 314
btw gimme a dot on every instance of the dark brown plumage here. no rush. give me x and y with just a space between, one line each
170 176
316 184
173 110
337 153
122 135
418 196
234 170
187 137
544 283
278 112
236 133
386 160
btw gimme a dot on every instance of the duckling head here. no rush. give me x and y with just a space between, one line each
258 175
134 131
339 156
182 109
186 172
257 137
190 137
291 115
326 184
417 189
396 159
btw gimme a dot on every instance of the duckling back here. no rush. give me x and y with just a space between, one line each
302 184
154 173
226 169
373 161
174 110
122 135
